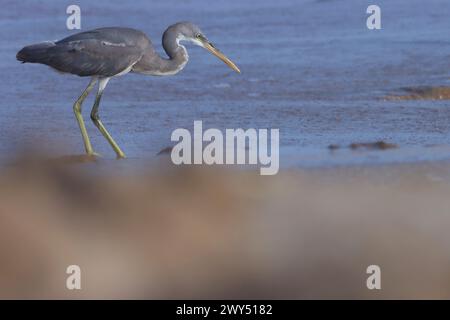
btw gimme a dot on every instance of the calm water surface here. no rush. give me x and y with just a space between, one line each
310 68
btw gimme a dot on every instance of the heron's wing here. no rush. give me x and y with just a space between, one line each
99 52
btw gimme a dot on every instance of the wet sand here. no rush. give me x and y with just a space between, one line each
213 233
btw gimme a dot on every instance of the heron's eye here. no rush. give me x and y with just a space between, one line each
198 36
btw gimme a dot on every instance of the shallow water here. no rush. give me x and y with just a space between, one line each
310 68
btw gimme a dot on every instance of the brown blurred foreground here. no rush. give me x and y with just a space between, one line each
204 233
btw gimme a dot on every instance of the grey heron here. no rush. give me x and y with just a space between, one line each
114 51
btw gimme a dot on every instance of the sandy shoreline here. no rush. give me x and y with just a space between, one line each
186 233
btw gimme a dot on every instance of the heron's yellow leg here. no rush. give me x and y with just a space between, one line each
96 119
77 111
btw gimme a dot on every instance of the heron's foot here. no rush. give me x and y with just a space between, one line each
93 155
121 156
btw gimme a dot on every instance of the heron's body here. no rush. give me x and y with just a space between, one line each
109 52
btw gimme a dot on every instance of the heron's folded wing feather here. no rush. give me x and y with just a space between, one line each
88 57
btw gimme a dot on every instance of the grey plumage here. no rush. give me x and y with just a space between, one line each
102 52
107 52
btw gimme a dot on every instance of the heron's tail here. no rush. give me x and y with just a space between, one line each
35 53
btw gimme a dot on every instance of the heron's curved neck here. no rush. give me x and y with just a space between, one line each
178 56
153 64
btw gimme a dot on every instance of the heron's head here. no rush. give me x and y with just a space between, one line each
187 31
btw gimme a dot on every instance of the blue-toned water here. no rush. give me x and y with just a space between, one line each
310 68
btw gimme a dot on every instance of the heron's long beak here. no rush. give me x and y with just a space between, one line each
209 46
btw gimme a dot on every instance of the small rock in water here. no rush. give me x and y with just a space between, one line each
166 150
378 145
423 93
334 146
